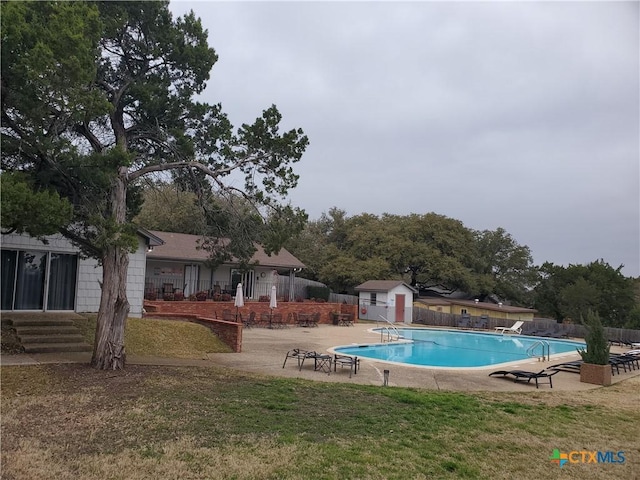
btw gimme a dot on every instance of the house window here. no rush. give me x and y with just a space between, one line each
463 311
32 278
373 299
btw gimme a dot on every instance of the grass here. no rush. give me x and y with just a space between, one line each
164 338
69 421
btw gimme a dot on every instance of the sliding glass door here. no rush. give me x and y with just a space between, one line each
27 275
62 282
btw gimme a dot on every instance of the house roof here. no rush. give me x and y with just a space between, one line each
181 246
382 286
471 303
152 240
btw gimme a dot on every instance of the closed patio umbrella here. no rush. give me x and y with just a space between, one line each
239 300
273 303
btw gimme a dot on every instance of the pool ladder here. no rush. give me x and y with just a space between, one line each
390 329
546 350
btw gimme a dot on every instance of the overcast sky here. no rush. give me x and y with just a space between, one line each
523 116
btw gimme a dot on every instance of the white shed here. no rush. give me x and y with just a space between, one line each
389 299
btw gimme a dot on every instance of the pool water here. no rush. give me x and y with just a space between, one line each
449 348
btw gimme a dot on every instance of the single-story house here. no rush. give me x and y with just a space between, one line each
476 308
53 276
390 299
179 264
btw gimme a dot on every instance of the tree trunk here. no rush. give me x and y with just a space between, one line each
108 348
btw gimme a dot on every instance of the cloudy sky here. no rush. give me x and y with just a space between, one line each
523 116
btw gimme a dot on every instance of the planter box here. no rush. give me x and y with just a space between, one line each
596 374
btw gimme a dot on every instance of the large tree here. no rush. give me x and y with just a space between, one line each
504 267
570 292
98 96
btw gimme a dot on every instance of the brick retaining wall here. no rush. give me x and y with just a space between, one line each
209 313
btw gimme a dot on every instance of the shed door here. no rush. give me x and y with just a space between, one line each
399 307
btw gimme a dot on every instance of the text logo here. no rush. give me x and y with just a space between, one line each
583 456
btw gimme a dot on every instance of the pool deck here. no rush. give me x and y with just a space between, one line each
264 350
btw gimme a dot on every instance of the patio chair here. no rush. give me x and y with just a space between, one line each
515 328
250 321
523 375
346 361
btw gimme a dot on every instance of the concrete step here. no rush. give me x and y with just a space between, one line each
42 322
57 347
44 330
48 338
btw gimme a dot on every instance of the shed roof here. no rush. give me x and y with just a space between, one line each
182 246
382 286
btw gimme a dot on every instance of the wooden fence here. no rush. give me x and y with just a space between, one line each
429 317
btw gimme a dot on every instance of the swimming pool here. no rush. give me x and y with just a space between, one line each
456 349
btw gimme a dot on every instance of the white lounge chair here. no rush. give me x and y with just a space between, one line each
515 328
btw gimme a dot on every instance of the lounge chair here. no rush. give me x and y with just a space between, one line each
346 360
573 367
298 354
515 328
481 323
522 375
464 322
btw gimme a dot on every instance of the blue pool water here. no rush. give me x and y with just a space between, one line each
448 348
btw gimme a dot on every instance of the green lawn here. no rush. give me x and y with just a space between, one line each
164 338
69 421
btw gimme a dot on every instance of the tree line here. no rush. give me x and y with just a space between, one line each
432 252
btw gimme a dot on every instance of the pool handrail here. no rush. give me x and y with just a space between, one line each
390 327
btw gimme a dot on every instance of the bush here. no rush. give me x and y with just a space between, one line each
217 297
597 351
151 296
178 296
318 292
264 298
201 296
226 297
168 297
192 297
